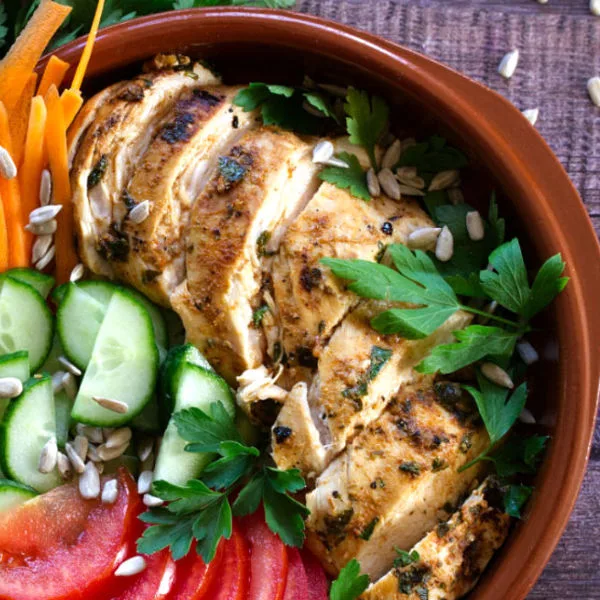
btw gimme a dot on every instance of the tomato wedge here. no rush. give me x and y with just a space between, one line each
231 582
268 560
315 576
296 587
60 546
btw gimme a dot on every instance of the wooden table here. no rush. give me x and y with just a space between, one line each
560 50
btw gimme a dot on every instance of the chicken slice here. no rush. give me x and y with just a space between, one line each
170 176
124 123
236 224
310 300
390 485
453 555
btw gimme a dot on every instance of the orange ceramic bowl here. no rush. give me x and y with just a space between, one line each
536 196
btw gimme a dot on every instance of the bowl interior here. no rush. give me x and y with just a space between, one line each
427 98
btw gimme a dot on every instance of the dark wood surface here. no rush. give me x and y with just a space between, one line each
560 47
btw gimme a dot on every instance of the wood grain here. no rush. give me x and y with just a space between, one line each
560 50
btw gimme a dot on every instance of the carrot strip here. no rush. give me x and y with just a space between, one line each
54 73
71 101
89 46
11 202
20 61
19 119
3 240
56 140
30 173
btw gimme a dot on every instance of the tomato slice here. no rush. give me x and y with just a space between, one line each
296 587
268 560
60 546
231 582
318 585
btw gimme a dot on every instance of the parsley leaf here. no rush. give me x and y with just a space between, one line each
206 431
352 178
473 343
514 499
366 121
405 558
350 584
433 156
518 455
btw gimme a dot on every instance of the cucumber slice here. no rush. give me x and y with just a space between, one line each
200 388
39 281
13 365
63 405
78 321
123 365
148 421
170 374
12 494
26 322
51 364
29 422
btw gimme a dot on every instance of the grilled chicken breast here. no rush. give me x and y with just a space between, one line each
125 122
236 224
388 487
171 174
453 555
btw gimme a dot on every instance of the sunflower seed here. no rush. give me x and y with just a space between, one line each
110 491
542 1
475 227
44 214
408 173
444 248
106 431
110 404
41 264
593 86
57 381
144 447
527 417
40 247
308 82
92 453
43 229
334 90
456 196
336 162
140 212
45 188
409 190
69 385
152 501
69 366
527 352
131 566
322 152
423 238
8 169
64 466
89 482
100 467
80 445
508 64
389 183
595 7
443 180
144 484
118 437
93 434
407 143
413 181
109 453
497 375
48 456
10 387
74 458
77 273
373 184
392 155
531 114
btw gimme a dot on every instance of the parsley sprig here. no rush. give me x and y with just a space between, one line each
350 584
352 178
202 509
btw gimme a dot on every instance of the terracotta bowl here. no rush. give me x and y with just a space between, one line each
536 197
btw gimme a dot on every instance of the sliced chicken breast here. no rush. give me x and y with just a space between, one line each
453 555
391 483
259 188
310 300
170 176
124 124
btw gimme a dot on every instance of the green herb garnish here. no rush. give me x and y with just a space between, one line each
350 584
259 314
405 558
353 178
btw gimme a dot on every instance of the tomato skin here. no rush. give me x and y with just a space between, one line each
268 560
318 585
232 580
296 587
62 547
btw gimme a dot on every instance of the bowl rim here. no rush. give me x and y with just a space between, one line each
525 165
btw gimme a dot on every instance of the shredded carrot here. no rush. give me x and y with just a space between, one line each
30 172
3 240
11 202
20 61
89 46
19 119
72 101
56 140
54 73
